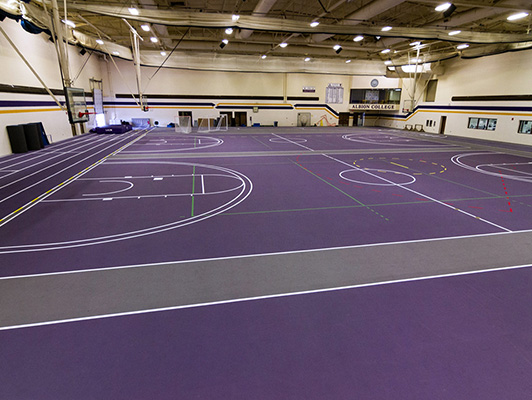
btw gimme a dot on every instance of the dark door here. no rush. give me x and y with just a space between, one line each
344 119
241 118
442 124
230 119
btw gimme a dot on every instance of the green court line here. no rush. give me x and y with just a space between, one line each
364 206
193 188
341 191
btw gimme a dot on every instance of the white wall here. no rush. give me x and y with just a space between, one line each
503 74
186 82
40 52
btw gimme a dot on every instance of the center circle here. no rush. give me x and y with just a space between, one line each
389 178
283 140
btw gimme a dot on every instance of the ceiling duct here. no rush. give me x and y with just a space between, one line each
261 9
362 14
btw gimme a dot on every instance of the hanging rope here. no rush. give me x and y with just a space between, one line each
169 55
62 107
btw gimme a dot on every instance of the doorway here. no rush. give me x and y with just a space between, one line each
241 118
230 119
343 119
443 122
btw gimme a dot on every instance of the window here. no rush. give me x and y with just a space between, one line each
525 127
430 92
375 96
488 124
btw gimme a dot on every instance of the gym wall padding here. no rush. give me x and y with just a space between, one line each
33 136
17 138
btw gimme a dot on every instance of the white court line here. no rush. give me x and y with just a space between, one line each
240 197
202 184
255 298
32 203
56 155
44 152
99 143
28 156
280 253
408 189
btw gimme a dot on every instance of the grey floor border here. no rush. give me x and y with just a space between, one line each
53 298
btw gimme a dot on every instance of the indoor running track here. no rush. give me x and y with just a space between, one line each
260 263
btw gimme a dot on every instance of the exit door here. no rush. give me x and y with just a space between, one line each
443 122
343 119
241 118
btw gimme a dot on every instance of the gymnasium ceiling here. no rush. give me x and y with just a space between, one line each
194 30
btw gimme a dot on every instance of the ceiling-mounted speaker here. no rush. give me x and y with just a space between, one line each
447 13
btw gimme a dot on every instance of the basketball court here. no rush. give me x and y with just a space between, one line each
266 263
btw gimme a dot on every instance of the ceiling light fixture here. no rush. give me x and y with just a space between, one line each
99 41
69 23
391 68
415 43
235 17
229 31
452 33
307 59
359 38
163 53
133 11
116 53
145 27
387 62
520 15
385 51
337 48
154 39
462 46
347 61
263 56
283 45
314 24
386 29
443 7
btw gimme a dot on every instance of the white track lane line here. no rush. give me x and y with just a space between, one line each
59 162
255 298
52 155
38 199
42 153
406 188
59 145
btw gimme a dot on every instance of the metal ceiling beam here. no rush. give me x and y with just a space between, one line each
261 9
362 14
191 19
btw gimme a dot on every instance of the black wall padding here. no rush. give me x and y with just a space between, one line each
17 139
33 136
39 127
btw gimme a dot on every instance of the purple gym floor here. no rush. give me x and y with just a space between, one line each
98 202
133 209
457 338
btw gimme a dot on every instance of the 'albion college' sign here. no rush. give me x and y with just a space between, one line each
374 107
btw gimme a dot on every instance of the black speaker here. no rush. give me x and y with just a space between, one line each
447 13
